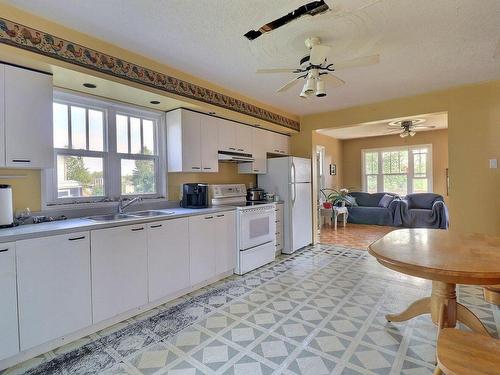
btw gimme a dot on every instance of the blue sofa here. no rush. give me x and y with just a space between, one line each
422 210
367 210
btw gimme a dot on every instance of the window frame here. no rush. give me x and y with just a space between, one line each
111 159
411 169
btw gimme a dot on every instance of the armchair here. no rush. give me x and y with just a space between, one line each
422 210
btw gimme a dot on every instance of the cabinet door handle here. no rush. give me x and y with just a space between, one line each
232 148
137 229
277 151
195 168
207 168
209 217
3 250
255 170
156 226
76 238
220 215
240 149
21 161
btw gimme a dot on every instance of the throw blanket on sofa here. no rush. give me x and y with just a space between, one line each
422 210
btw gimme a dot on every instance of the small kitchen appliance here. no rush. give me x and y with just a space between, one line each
256 194
6 210
194 195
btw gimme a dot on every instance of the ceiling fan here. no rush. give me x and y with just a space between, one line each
315 69
408 127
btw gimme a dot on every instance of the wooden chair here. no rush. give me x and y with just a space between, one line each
492 294
467 353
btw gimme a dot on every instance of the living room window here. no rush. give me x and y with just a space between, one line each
103 151
399 170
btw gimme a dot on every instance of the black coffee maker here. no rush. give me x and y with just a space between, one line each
194 196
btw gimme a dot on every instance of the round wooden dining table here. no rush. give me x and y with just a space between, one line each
447 258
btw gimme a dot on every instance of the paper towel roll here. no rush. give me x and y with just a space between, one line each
6 212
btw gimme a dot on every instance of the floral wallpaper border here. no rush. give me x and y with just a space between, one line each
37 41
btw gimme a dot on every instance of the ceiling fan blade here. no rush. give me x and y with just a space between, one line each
288 85
318 54
424 126
357 62
276 70
333 80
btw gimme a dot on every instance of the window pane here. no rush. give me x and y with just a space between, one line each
371 163
138 176
420 185
79 176
121 134
420 164
371 184
395 161
135 135
395 184
96 130
149 137
78 128
60 114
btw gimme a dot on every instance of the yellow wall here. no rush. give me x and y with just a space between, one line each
26 191
333 155
438 138
228 174
474 137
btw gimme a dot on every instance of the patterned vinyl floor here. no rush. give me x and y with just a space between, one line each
319 311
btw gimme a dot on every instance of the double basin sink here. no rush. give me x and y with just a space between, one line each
132 215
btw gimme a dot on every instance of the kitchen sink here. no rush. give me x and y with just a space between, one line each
152 213
110 217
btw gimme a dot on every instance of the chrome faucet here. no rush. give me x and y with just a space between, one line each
123 204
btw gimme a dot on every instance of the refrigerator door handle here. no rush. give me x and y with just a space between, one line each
292 177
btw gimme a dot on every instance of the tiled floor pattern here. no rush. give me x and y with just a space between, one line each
320 311
357 236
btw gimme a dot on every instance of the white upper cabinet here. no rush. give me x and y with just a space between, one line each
28 118
243 138
54 287
168 257
227 135
119 270
278 144
9 342
259 153
191 142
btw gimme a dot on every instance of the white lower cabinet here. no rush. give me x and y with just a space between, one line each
168 257
202 243
225 253
54 288
9 341
119 270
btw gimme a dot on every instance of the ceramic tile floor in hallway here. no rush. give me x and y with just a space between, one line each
357 236
320 311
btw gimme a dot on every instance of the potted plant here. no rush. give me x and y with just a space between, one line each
337 197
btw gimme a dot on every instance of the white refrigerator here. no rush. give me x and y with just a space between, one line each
290 178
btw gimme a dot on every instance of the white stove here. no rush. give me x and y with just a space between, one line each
256 226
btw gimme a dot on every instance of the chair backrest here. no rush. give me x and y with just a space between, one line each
422 200
367 199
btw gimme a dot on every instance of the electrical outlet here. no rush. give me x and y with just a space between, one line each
493 163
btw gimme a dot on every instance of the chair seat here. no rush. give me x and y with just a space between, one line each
466 353
492 294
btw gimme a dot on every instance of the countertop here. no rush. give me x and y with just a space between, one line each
23 232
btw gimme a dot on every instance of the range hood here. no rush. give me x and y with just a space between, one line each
235 157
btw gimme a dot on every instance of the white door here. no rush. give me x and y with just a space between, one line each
225 227
227 135
301 227
243 138
209 144
119 270
2 115
9 341
191 142
54 288
168 257
28 118
202 242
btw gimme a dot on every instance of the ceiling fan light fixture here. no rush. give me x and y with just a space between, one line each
320 88
412 133
310 86
303 93
403 134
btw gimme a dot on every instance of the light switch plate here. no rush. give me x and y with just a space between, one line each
493 163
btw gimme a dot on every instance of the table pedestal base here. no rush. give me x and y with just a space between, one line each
443 307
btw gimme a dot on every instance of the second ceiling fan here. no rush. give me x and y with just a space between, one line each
315 70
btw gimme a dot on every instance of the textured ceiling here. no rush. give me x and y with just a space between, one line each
377 128
423 45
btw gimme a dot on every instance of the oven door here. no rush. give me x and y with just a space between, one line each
257 226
